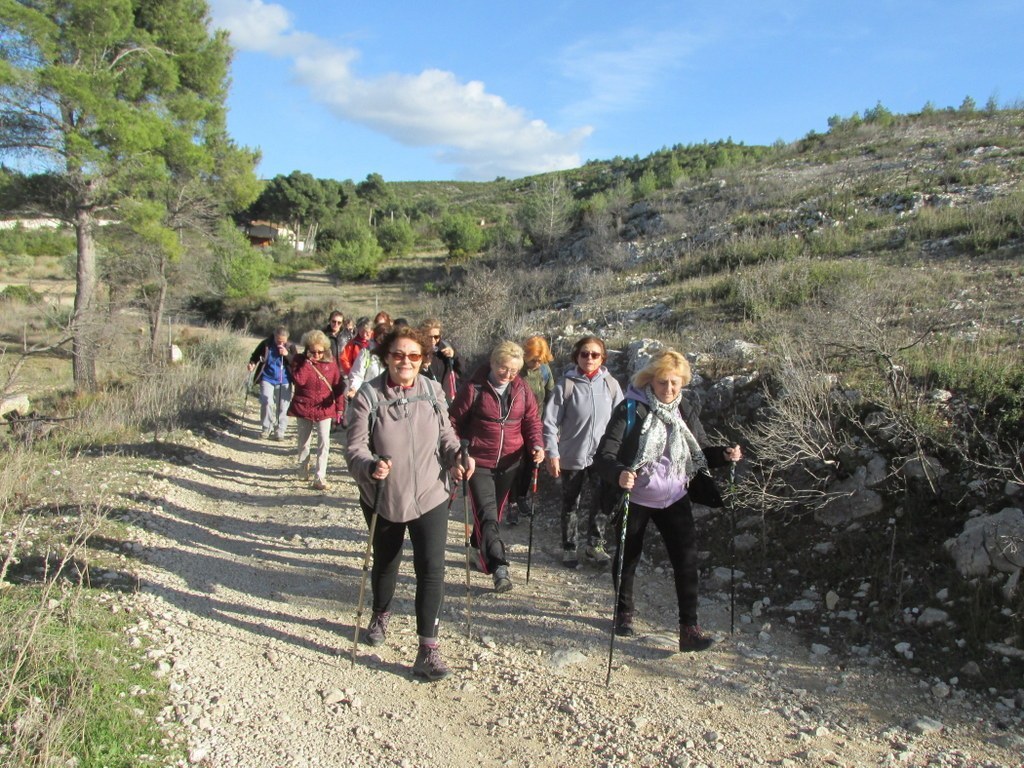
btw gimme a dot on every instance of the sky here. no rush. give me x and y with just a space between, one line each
443 90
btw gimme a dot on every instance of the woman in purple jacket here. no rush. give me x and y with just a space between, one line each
496 411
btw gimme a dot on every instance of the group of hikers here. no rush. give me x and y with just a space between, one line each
416 429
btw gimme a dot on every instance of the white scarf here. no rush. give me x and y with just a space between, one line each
685 456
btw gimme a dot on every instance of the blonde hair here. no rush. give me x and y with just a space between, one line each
663 363
536 348
506 350
316 338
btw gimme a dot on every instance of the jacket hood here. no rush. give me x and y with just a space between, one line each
573 372
632 393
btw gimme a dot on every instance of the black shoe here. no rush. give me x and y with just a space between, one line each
624 624
502 582
569 558
512 514
692 638
377 631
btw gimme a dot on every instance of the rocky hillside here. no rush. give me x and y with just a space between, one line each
851 307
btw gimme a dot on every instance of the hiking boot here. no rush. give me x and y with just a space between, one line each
597 555
264 434
512 514
502 582
429 664
304 471
377 630
319 485
569 558
524 507
624 624
692 638
276 437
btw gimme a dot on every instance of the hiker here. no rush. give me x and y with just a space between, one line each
497 413
574 421
537 374
368 364
270 362
445 366
381 317
338 336
359 341
659 455
319 392
401 444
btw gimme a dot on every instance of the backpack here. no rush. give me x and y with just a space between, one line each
373 397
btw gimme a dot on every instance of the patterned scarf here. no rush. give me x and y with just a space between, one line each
685 456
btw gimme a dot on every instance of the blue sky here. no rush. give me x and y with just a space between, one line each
458 90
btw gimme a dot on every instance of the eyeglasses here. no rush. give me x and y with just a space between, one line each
591 355
337 322
317 352
435 336
414 357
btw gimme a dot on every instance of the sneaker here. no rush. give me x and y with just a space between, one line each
276 437
264 434
429 664
377 630
569 558
502 582
624 624
512 514
692 638
319 485
597 555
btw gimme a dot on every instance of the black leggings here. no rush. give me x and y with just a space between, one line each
597 516
428 535
675 523
489 491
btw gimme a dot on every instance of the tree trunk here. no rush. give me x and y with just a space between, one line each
83 321
155 307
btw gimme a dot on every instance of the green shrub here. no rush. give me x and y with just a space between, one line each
22 294
358 258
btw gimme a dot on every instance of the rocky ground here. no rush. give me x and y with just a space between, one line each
249 590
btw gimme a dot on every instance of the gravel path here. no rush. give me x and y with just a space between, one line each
250 589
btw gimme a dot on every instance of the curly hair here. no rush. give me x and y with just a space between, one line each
506 350
317 338
405 332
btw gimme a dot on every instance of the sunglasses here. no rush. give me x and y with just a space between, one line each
317 352
414 357
591 355
337 322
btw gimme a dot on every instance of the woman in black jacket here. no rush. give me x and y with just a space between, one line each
652 449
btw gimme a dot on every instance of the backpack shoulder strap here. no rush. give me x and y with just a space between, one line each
630 416
545 373
568 387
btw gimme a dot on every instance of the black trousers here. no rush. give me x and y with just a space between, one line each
428 535
489 492
678 531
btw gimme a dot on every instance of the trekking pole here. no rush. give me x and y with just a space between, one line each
245 400
533 513
366 564
464 461
618 584
732 549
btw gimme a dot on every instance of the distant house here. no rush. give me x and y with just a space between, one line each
263 234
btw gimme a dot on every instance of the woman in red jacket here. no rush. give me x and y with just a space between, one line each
496 411
319 391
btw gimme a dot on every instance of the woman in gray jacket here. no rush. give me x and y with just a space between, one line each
403 416
574 420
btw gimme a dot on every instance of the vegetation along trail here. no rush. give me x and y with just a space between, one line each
250 585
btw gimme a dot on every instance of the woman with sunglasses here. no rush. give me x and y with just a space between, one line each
400 449
574 421
316 402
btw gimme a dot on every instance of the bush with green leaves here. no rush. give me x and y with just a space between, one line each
242 271
356 258
462 235
22 294
396 237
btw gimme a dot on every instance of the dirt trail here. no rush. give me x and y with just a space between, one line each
251 581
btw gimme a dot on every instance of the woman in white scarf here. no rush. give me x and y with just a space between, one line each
655 459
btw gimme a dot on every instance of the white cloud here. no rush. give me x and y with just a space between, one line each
476 131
